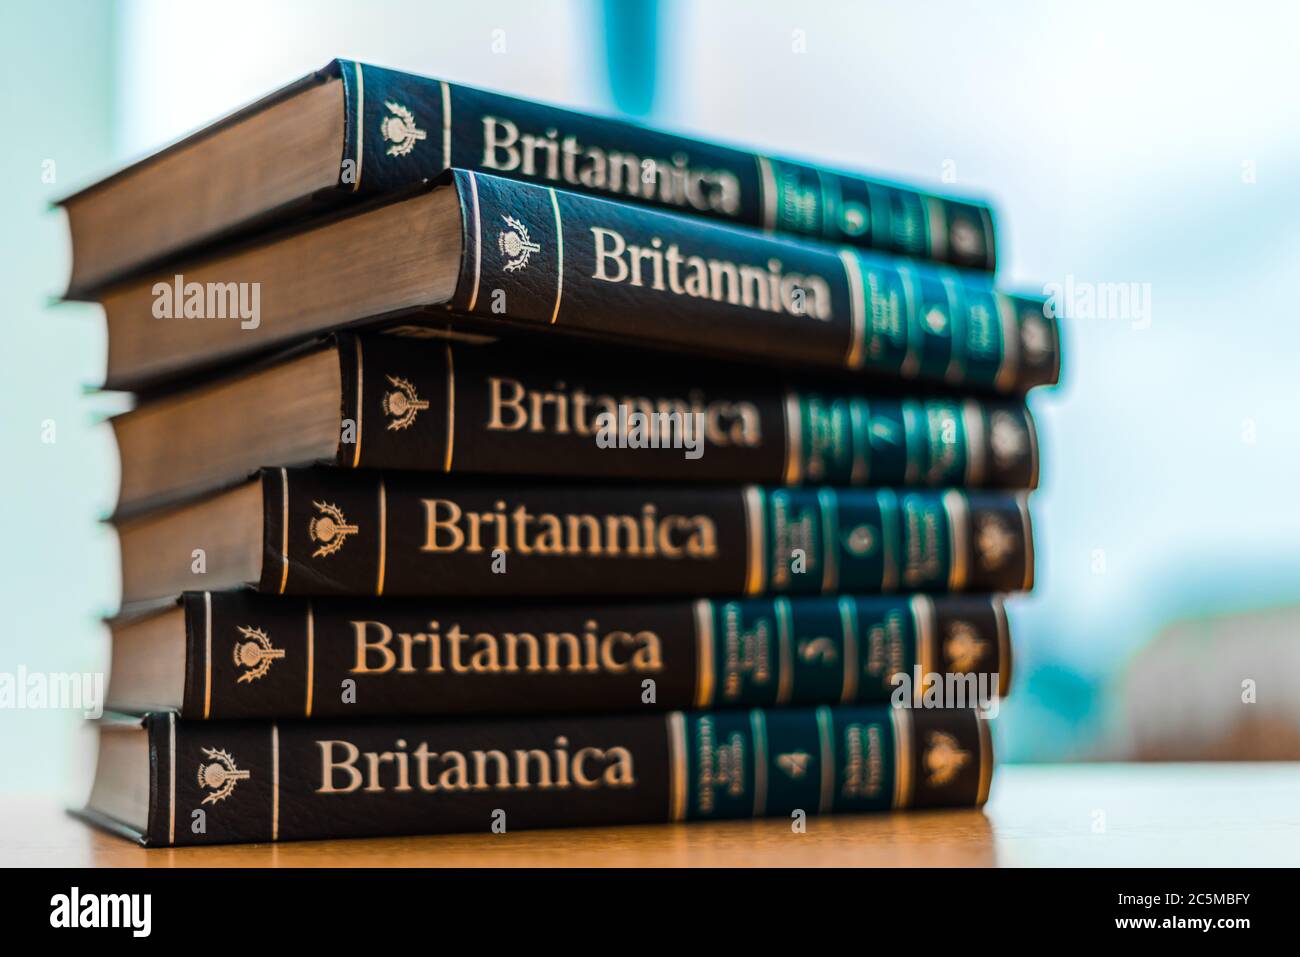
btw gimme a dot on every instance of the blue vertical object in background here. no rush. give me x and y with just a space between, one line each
631 46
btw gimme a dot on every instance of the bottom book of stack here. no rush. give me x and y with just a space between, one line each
165 781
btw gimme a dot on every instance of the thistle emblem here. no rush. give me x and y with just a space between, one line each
255 653
220 776
794 764
994 541
861 540
329 528
963 648
402 403
820 650
400 129
515 244
943 759
1007 438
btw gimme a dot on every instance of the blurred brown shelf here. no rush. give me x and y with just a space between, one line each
1109 815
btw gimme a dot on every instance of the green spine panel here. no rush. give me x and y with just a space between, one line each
773 763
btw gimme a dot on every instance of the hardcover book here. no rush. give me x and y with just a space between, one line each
224 655
353 131
478 254
386 402
330 531
163 781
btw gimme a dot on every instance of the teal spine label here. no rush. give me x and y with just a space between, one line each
402 129
545 257
495 410
828 760
826 540
256 656
301 780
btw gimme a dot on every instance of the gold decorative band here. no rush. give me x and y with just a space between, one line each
793 440
958 510
311 658
704 664
284 529
857 310
677 766
383 537
924 620
755 566
207 654
901 718
356 438
171 773
986 760
478 240
849 627
361 138
275 781
451 411
559 256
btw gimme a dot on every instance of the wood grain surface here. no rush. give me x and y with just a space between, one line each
1092 815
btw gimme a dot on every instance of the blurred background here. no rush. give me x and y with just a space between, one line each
1142 161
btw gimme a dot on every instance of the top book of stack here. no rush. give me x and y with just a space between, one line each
351 132
850 275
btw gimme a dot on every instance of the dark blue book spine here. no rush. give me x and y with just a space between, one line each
549 258
403 128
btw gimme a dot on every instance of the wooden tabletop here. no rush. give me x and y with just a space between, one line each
1116 815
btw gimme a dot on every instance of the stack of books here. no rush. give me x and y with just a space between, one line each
495 466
